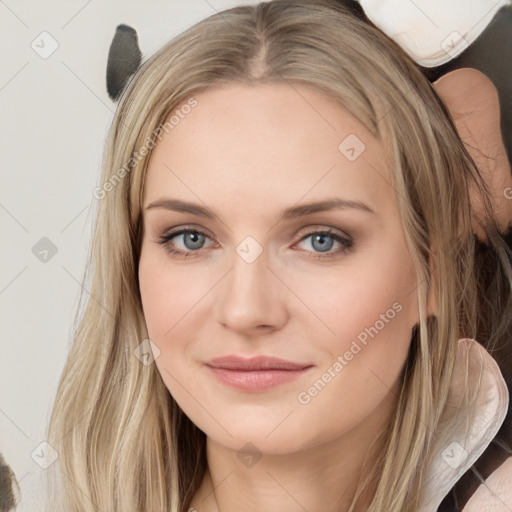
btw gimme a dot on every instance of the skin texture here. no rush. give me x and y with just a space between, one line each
246 153
496 494
472 100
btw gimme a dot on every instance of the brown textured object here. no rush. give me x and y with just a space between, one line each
8 500
491 54
472 100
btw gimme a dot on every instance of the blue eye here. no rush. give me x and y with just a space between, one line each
193 241
318 241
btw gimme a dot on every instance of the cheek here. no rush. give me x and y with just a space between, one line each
362 300
361 363
169 293
171 300
369 311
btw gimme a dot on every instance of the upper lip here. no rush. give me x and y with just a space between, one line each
233 362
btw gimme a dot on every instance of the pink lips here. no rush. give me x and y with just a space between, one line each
256 373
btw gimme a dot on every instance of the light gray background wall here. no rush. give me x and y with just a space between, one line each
55 114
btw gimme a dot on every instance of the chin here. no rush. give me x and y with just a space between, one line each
251 434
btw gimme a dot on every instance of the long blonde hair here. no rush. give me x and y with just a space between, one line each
123 442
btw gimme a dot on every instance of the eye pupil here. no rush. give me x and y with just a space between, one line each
323 245
194 235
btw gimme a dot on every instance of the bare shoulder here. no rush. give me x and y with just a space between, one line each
496 494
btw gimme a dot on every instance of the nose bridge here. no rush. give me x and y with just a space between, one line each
251 295
250 267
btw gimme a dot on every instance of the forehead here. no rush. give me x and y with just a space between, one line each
268 145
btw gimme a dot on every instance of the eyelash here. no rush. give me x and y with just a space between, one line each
346 242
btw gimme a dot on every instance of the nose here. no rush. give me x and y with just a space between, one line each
252 298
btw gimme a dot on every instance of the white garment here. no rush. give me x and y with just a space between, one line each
455 452
432 32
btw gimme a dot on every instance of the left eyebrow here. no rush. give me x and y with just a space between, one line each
290 213
320 206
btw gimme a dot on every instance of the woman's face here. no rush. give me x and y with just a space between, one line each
261 167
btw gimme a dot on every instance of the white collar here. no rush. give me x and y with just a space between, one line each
432 32
455 450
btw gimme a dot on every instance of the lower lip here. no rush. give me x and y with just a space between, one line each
256 380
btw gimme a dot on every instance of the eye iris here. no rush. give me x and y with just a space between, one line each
323 245
187 236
